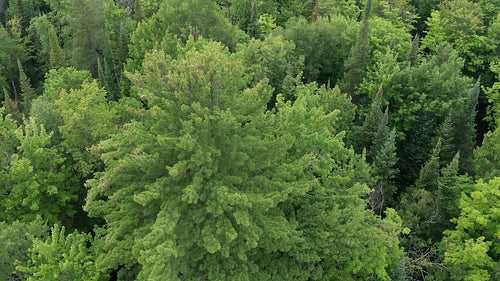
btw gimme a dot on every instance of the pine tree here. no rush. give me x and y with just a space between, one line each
465 131
57 57
101 78
356 64
381 135
138 16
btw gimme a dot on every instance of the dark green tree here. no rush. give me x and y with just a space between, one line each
253 28
325 46
17 241
356 64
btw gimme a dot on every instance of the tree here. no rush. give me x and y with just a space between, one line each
62 257
86 39
273 58
16 244
316 43
207 159
253 28
35 182
470 42
472 248
486 157
57 57
27 91
12 49
357 62
87 119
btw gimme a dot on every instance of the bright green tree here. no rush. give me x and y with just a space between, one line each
35 181
470 42
87 118
273 58
207 159
62 257
473 247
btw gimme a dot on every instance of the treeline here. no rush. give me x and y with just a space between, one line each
249 140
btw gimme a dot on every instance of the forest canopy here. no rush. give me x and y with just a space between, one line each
249 140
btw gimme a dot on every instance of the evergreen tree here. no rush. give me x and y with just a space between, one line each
255 190
28 94
413 59
16 242
363 137
356 64
429 173
253 28
57 57
384 169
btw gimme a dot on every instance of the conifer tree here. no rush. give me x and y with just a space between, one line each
254 190
429 173
363 139
57 57
253 28
384 169
357 62
413 52
27 91
449 194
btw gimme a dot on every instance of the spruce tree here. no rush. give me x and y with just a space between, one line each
363 138
57 57
357 62
27 92
413 52
429 173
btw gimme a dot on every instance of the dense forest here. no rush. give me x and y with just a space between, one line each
249 140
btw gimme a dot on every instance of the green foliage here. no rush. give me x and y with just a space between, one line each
493 94
357 62
57 57
27 92
85 33
62 257
16 241
13 48
65 79
325 45
472 248
273 59
470 42
253 189
87 119
486 158
35 182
